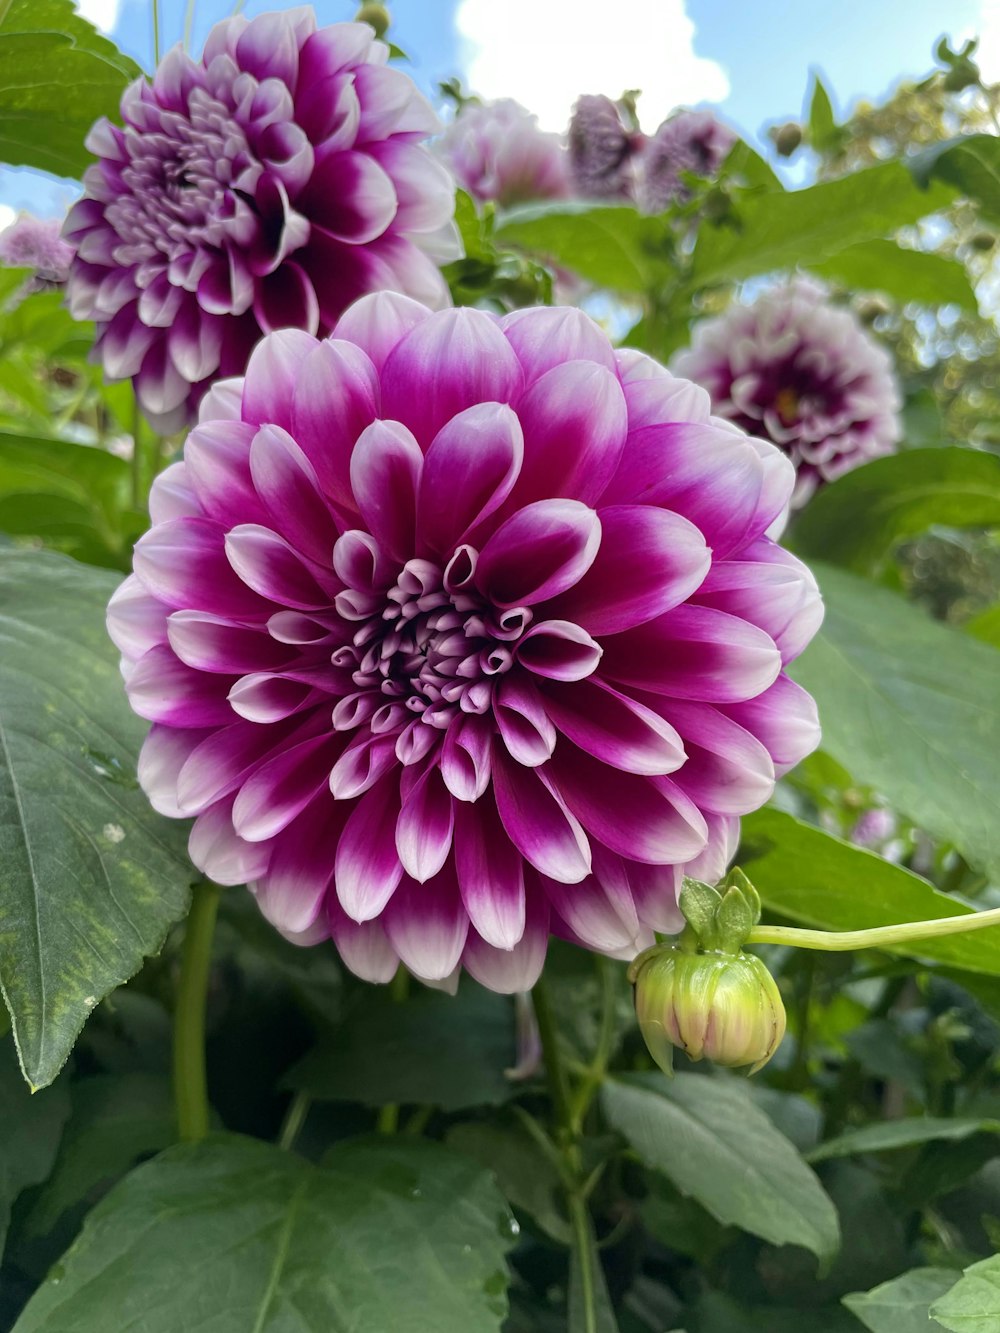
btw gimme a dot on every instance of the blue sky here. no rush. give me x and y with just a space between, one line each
749 57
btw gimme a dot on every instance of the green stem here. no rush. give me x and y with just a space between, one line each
399 989
554 1069
295 1118
593 1076
156 32
840 941
580 1222
190 1089
135 471
188 25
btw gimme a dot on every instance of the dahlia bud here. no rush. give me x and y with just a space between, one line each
716 1006
376 16
983 241
786 138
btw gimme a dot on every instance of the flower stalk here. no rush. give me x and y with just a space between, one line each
878 937
190 1084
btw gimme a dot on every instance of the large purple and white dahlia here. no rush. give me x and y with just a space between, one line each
803 373
266 186
457 630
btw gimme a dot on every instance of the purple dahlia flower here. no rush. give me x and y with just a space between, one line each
497 152
457 630
803 373
266 186
692 141
602 150
35 243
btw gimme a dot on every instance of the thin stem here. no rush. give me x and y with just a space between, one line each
840 941
580 1222
190 1089
399 989
554 1068
188 25
135 471
156 33
388 1118
295 1118
593 1076
418 1121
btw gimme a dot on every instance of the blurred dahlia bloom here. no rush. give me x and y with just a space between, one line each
497 153
693 142
457 630
802 373
265 186
602 150
35 243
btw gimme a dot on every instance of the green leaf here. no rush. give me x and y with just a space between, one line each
779 231
57 76
906 275
707 1136
117 1118
590 1308
234 1234
985 626
433 1048
811 876
902 1305
30 1136
526 1176
90 877
971 164
611 245
911 708
822 122
859 519
888 1135
70 496
973 1303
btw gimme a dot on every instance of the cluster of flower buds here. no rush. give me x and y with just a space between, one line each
702 993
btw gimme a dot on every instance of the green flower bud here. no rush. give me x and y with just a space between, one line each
715 1006
982 241
786 138
376 16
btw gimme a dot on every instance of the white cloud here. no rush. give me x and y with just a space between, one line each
7 216
545 53
102 14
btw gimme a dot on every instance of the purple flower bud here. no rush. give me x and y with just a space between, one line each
497 152
721 1007
795 369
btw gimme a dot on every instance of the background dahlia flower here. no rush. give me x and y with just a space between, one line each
265 186
694 142
802 373
497 153
457 630
35 243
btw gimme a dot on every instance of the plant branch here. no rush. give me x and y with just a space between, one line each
841 941
190 1086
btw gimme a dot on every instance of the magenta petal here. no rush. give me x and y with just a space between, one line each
172 495
538 822
161 759
668 465
222 402
269 565
362 945
222 760
728 771
287 484
544 337
490 874
361 765
539 552
694 652
183 563
458 358
614 728
770 588
162 689
425 825
292 893
368 867
644 818
272 372
385 473
427 926
349 195
281 789
784 719
136 620
215 643
217 463
466 757
336 396
470 468
574 422
655 890
376 323
509 971
589 914
559 650
650 561
523 722
272 696
218 852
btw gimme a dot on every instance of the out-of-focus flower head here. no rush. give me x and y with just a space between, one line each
602 150
803 373
693 142
265 186
497 153
35 243
457 630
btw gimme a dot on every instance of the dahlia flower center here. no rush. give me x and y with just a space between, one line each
426 650
786 403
